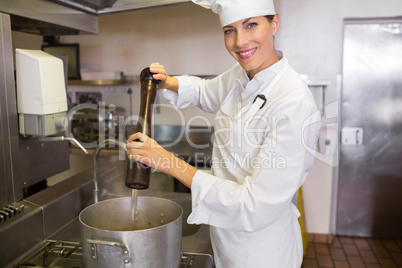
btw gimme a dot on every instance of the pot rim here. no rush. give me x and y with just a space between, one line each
130 231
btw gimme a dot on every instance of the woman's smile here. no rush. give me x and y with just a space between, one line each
246 54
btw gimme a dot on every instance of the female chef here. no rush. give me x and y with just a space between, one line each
266 120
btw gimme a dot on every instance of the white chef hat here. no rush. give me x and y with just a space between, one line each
230 11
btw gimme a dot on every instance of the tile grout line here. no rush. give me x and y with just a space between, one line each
361 256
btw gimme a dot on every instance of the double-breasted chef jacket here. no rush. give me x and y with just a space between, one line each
261 155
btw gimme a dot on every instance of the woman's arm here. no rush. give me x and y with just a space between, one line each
207 94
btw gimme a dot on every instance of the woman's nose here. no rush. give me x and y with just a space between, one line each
241 39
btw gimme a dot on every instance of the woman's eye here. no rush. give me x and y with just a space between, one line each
251 25
228 31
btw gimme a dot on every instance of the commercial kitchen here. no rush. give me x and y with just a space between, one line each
348 52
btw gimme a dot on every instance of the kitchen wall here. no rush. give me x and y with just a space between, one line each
311 35
187 39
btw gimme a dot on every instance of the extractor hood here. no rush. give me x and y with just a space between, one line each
68 17
90 6
126 5
111 6
48 18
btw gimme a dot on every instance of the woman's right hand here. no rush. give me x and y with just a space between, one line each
160 74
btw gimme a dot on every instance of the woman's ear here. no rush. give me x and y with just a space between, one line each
275 24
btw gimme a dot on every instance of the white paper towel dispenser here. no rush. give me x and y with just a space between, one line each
41 93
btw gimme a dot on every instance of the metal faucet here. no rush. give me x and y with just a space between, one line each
62 138
97 151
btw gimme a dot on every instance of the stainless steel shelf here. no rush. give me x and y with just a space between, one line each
101 82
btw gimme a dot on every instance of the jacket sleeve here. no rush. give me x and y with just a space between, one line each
262 197
206 94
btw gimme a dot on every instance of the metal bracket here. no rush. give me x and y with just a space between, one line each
94 243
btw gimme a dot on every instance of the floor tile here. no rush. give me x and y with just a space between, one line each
397 257
336 243
354 252
380 252
361 243
321 248
350 250
387 263
342 264
391 246
325 260
374 241
399 242
338 254
310 253
346 240
368 256
310 263
373 265
356 262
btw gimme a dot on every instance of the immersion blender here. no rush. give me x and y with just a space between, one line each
138 174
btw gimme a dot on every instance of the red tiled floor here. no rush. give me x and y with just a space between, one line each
338 254
350 250
372 265
381 252
342 264
325 260
354 252
321 248
356 262
361 243
397 258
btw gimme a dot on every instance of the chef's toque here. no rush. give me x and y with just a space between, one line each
230 11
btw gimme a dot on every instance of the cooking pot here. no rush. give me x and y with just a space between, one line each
109 238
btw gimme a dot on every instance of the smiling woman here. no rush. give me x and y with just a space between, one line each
251 42
265 119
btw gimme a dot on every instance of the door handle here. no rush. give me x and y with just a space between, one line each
352 136
357 136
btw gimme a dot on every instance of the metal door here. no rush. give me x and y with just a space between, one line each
369 200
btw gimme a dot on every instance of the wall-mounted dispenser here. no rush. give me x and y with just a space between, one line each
41 93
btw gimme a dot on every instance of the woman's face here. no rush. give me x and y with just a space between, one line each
251 43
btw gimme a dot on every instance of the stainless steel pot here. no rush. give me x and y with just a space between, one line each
108 238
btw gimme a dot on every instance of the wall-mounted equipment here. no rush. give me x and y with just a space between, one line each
41 93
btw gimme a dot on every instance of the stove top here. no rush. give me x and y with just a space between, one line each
68 254
56 254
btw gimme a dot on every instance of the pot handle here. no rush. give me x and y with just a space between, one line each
119 244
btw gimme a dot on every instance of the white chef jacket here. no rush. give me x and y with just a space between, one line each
259 161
